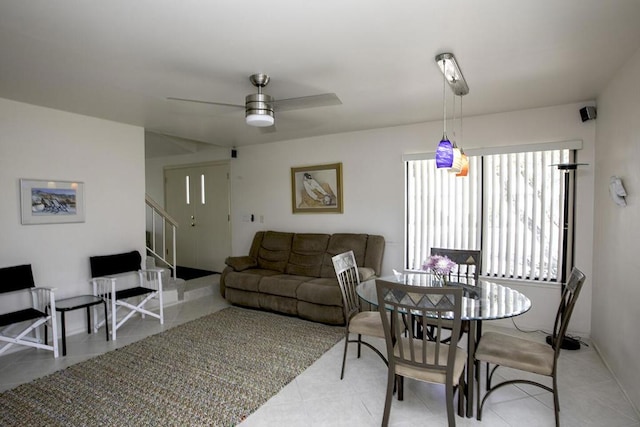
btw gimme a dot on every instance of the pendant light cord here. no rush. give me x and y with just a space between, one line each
444 102
461 136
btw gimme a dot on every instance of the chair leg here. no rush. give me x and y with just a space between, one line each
451 417
344 355
359 345
462 394
556 401
479 389
391 379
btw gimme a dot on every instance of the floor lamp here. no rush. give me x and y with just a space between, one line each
567 261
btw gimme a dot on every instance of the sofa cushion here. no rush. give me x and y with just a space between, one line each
284 285
247 280
278 304
243 298
241 263
323 291
329 314
307 254
274 251
343 242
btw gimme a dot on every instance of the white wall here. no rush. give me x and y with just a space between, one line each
41 143
374 187
616 292
154 168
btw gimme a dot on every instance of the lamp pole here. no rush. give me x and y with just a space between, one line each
567 264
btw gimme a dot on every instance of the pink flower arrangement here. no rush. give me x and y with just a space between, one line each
440 266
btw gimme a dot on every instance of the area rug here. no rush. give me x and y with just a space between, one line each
212 371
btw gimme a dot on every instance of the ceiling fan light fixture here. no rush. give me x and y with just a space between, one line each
259 110
259 119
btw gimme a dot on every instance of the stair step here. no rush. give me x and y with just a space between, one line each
178 290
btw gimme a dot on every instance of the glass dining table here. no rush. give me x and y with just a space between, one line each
483 301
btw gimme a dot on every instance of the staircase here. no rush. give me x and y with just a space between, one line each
161 252
161 233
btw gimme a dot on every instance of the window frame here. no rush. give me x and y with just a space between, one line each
572 145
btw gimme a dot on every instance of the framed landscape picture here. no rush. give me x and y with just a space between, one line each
51 202
317 189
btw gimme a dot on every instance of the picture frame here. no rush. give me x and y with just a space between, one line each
317 189
51 202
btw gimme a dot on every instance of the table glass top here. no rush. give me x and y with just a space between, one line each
484 301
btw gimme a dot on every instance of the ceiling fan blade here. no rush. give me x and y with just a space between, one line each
268 129
322 100
205 102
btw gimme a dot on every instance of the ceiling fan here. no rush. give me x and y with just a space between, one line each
260 107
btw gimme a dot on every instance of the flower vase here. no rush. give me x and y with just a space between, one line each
437 281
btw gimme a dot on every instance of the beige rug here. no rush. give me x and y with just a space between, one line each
212 371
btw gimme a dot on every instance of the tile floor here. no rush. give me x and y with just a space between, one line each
589 396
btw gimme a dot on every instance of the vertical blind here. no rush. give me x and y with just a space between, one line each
509 206
442 210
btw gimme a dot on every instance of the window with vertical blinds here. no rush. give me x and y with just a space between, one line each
509 206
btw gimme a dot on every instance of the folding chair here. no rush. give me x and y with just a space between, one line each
19 280
111 277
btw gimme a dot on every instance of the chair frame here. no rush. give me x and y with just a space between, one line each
149 286
348 277
41 313
568 300
430 306
462 257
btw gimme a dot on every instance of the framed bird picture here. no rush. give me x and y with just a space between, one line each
317 189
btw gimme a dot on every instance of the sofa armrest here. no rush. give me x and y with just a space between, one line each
241 263
366 273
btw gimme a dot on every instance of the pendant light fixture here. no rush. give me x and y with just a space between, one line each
444 152
464 159
448 155
456 165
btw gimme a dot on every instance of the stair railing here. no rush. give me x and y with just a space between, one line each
158 223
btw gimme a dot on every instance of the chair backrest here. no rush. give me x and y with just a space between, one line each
469 263
16 278
107 265
565 310
348 279
429 306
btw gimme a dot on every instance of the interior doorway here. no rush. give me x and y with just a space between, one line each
197 197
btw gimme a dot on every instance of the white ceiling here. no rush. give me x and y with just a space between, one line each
121 59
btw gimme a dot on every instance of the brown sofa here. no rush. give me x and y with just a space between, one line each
292 273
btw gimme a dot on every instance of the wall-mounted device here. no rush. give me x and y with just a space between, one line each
617 191
587 113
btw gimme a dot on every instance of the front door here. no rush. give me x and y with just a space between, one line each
197 197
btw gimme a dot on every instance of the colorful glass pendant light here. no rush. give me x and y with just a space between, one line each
464 168
444 152
456 165
448 155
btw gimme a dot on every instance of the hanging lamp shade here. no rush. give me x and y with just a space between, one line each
464 168
444 153
456 164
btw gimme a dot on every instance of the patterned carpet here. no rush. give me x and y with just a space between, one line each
212 371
